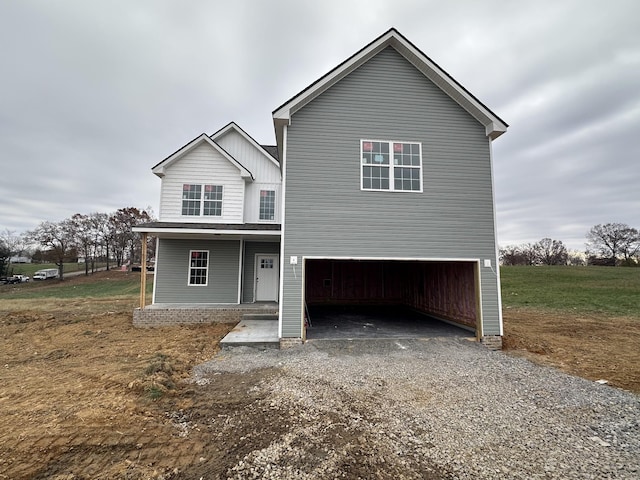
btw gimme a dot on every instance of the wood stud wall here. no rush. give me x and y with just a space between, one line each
443 289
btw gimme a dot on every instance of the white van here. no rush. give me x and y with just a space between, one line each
46 274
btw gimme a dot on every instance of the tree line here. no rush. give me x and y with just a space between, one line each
610 244
95 237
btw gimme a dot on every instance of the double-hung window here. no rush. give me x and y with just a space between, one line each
212 200
198 267
391 165
200 200
267 204
191 199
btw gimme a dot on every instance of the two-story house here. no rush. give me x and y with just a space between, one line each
380 193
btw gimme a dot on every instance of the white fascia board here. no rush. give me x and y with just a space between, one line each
324 83
493 125
204 231
160 169
394 259
234 126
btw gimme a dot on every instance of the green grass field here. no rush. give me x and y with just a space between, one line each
605 290
31 268
107 285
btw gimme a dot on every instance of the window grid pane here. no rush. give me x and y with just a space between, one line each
191 199
375 178
405 175
407 178
198 267
267 204
212 200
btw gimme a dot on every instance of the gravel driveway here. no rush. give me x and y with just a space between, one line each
438 408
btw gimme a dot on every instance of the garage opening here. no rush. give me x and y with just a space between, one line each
390 298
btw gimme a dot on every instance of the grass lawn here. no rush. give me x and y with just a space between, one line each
99 285
609 291
31 268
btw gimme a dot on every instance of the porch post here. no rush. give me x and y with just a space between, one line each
143 272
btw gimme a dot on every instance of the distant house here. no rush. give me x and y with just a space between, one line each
379 191
20 259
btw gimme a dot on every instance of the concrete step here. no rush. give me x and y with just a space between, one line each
260 316
252 333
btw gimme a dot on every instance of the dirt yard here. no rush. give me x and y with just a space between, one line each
84 394
588 346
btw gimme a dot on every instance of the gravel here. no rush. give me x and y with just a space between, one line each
437 408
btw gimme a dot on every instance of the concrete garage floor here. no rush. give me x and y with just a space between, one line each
346 323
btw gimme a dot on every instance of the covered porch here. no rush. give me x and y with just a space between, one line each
209 273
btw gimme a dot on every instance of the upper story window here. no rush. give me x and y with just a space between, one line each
202 200
198 267
191 199
212 200
267 204
389 165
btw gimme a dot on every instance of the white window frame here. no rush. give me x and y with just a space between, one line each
275 205
182 200
391 166
206 269
204 192
201 201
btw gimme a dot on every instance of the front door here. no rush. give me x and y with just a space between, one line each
266 278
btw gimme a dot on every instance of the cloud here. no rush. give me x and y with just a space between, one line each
96 93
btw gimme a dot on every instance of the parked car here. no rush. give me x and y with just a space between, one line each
9 280
22 278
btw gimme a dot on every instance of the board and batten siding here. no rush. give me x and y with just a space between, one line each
172 272
251 249
266 173
250 157
204 165
328 215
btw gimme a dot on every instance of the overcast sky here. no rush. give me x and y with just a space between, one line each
94 93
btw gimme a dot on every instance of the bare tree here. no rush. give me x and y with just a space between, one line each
125 240
83 237
551 252
58 239
13 242
529 253
631 247
511 255
613 240
102 238
5 256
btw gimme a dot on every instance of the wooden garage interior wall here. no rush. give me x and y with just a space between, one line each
442 289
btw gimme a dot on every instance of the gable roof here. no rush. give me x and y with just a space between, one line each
272 150
494 125
160 168
234 126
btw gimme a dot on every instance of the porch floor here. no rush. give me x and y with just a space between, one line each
204 306
253 333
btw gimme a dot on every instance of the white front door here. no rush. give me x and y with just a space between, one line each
267 278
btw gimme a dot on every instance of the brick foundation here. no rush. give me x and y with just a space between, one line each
290 342
492 342
164 317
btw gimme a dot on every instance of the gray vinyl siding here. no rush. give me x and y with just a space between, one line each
248 272
173 270
328 215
